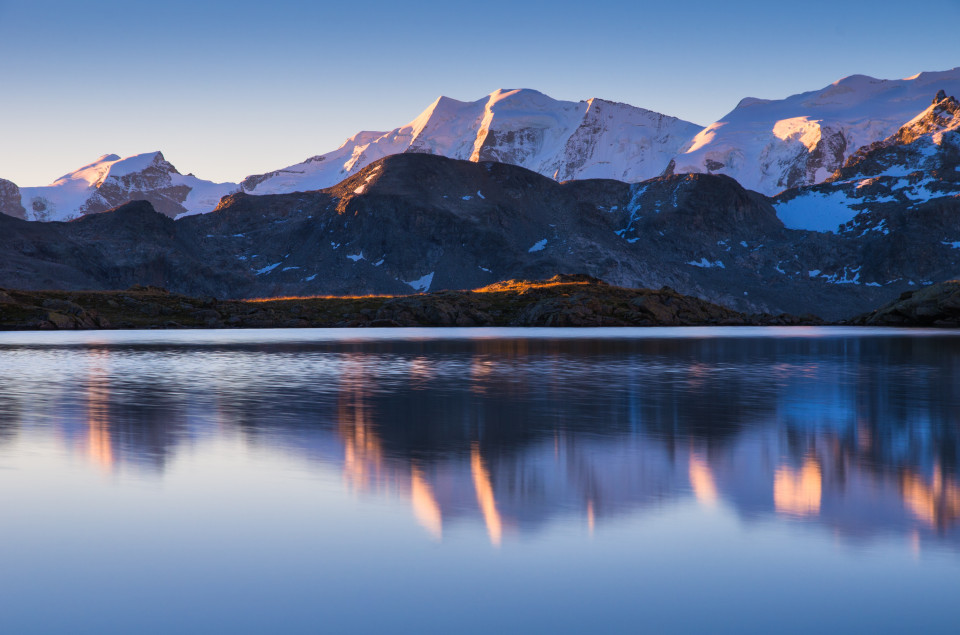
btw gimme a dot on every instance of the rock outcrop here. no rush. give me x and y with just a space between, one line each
10 199
936 305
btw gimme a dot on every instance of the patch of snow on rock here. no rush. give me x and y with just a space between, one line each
816 211
706 264
268 268
844 278
421 284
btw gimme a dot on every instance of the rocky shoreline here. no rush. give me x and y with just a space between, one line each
937 305
564 300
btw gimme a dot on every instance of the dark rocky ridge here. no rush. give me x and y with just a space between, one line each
418 222
936 305
567 300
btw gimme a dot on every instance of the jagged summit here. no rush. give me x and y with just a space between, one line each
910 146
943 115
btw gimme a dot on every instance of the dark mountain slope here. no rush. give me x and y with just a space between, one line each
417 222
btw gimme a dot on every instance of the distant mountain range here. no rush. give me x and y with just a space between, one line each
884 221
766 145
111 181
416 222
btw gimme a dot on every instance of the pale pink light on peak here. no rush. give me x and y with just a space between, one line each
704 137
802 129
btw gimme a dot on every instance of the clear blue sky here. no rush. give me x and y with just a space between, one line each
226 89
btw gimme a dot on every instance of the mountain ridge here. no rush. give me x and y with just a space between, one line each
416 222
112 180
885 222
768 145
563 140
802 139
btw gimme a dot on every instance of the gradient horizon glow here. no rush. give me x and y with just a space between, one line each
231 89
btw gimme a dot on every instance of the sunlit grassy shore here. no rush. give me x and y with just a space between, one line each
560 301
570 300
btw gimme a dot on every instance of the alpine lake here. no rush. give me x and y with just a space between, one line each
502 480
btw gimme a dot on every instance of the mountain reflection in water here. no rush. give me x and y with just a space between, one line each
859 435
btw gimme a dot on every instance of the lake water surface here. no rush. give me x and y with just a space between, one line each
702 480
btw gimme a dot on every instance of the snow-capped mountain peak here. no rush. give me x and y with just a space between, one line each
111 180
915 165
561 139
768 145
773 145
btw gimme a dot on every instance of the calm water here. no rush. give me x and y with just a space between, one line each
480 480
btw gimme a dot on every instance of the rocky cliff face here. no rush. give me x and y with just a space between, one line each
10 199
936 305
